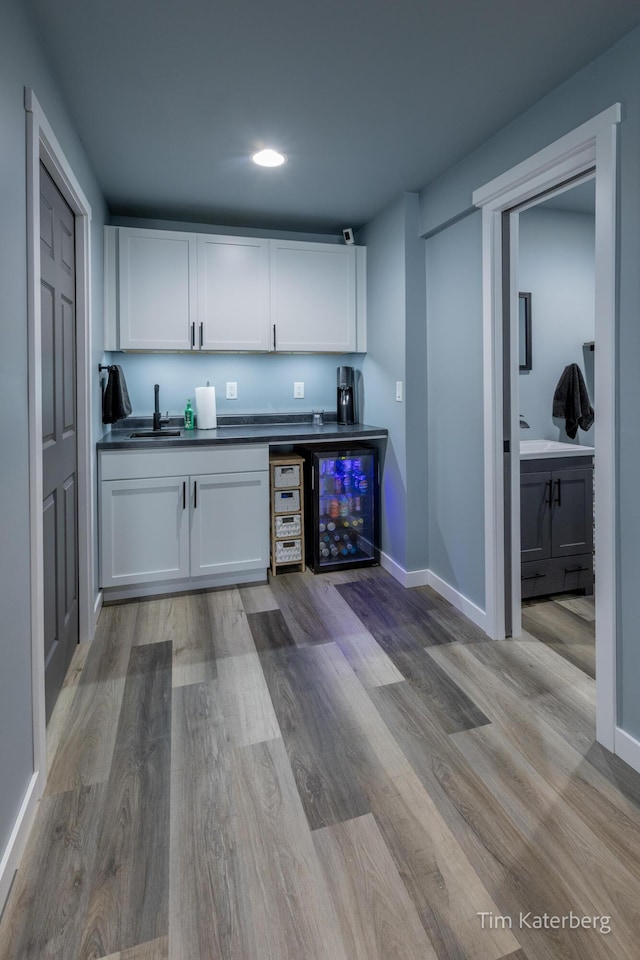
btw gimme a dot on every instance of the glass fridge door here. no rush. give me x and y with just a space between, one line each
345 508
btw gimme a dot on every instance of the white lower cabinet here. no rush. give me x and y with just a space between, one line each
200 527
144 530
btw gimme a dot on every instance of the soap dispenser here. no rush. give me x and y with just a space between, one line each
188 416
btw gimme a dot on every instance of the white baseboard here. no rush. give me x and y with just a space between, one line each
162 588
627 748
458 600
422 578
18 838
408 578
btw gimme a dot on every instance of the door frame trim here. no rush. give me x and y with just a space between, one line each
42 144
591 145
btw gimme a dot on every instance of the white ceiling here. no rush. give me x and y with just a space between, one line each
368 98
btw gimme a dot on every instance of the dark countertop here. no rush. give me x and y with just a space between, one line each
251 429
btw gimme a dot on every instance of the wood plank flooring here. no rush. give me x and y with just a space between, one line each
566 624
329 768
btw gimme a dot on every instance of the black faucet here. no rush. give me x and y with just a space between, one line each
157 420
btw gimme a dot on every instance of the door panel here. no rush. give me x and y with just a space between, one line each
229 523
68 322
48 367
145 530
50 565
313 296
233 293
572 512
158 289
59 452
70 547
535 516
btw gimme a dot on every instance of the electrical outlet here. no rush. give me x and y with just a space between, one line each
232 390
298 390
399 391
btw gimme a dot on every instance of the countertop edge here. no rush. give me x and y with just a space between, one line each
225 436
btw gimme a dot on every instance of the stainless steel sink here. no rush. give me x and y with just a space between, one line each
153 434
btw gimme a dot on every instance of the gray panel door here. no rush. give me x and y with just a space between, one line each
572 522
59 452
535 516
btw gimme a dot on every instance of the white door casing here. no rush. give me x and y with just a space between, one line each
42 145
590 146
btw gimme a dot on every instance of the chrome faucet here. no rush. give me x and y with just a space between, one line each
523 422
157 419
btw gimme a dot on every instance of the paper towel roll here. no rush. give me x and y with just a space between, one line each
206 408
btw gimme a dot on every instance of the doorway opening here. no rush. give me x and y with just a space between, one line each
556 267
590 150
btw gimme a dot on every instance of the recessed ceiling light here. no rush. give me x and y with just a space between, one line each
268 158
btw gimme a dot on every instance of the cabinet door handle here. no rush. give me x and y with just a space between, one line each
193 335
195 494
575 569
534 576
547 496
184 494
201 335
274 336
558 498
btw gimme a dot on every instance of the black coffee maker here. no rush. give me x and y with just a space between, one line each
346 395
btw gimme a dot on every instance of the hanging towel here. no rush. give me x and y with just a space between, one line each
115 402
571 401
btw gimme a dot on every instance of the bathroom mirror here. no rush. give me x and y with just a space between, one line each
524 330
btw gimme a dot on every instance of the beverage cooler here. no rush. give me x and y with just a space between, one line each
342 507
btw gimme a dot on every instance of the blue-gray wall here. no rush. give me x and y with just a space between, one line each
22 64
615 76
456 440
396 350
384 364
416 389
556 264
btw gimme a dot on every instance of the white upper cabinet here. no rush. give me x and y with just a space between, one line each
158 289
233 300
313 296
187 291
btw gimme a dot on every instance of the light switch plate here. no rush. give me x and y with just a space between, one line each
399 391
232 390
298 390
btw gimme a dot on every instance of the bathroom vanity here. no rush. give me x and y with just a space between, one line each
556 517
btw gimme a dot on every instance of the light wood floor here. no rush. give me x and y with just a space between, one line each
566 623
325 768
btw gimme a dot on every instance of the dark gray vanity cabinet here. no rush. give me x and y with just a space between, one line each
556 525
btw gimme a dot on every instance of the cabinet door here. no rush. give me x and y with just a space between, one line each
313 296
145 530
158 289
572 512
535 516
229 523
233 293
